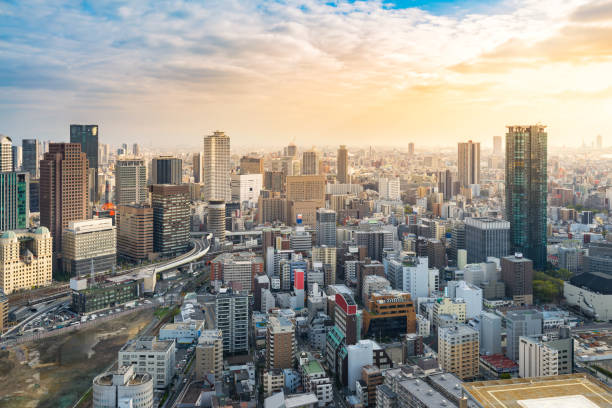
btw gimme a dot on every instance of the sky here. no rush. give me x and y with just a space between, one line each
166 73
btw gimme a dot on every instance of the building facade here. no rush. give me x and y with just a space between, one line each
216 167
458 351
64 191
486 237
30 152
131 182
280 343
166 170
232 318
468 163
526 190
123 387
89 245
134 231
171 223
14 200
209 355
26 260
152 356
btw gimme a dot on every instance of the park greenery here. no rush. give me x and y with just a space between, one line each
548 285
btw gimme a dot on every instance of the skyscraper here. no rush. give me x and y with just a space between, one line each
30 153
445 184
342 165
599 142
310 163
497 145
526 191
64 192
232 318
6 154
87 137
517 274
410 149
326 227
251 165
291 150
197 167
17 158
468 163
171 223
166 170
485 237
216 219
14 200
130 181
217 167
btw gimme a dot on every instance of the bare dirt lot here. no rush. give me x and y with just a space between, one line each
55 372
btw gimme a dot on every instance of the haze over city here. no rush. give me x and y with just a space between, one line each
354 72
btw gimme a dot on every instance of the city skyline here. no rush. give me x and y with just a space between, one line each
319 72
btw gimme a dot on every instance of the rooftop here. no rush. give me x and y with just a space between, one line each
562 391
594 281
424 393
147 343
313 367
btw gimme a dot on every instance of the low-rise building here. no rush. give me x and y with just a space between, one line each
123 388
88 299
315 380
149 355
182 332
273 381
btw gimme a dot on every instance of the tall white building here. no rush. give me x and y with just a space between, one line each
246 188
389 188
131 181
6 154
216 167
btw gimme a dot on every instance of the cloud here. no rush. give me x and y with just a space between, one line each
593 12
267 67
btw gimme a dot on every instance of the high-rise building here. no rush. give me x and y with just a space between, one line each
526 191
134 231
14 200
87 137
468 163
599 142
327 256
251 165
458 351
291 150
64 192
411 149
389 188
486 237
166 170
112 389
310 163
30 153
17 158
89 245
342 166
171 222
346 317
26 260
490 333
246 188
34 196
209 356
280 343
216 219
6 154
237 270
326 227
217 167
306 188
232 318
130 181
517 274
445 184
497 145
376 241
521 323
197 167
